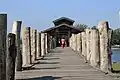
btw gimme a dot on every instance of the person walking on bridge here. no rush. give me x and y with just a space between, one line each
62 42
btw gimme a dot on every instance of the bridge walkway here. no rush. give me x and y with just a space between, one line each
62 64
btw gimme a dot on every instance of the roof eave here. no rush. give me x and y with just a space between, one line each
63 18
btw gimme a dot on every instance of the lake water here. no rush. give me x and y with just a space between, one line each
116 55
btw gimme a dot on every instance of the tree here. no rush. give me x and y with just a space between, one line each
81 26
116 37
94 27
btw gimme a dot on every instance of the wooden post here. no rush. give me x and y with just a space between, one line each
26 52
50 43
42 44
75 37
33 44
72 45
74 42
3 33
79 42
104 46
54 42
84 46
46 43
110 32
88 52
16 30
11 55
70 42
95 54
38 45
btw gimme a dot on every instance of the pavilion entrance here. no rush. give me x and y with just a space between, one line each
63 29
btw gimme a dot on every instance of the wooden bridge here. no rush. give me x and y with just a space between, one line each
86 57
62 64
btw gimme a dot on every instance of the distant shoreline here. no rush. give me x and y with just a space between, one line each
115 48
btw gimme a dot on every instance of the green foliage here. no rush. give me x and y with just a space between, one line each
20 41
94 27
116 37
81 26
116 66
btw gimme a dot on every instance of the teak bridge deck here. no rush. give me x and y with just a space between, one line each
62 64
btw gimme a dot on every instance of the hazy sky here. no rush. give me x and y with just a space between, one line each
39 14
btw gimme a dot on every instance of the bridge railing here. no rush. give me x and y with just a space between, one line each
95 46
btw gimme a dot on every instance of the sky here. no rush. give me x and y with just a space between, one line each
39 14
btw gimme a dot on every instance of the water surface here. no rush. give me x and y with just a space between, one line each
116 55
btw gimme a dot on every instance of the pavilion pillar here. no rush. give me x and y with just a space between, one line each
95 54
16 30
104 46
33 34
42 44
3 34
26 52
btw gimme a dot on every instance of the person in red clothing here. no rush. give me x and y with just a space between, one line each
63 43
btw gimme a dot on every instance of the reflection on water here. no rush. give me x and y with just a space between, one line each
116 55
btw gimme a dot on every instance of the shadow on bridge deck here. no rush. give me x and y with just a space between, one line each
42 78
62 64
